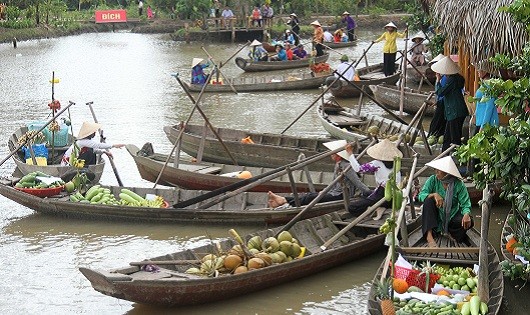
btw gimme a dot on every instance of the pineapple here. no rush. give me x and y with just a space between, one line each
382 291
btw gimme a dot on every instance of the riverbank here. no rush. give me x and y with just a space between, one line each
169 26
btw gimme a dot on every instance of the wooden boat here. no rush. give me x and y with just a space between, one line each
414 76
54 167
171 286
371 75
465 256
254 66
390 95
268 150
265 83
211 176
336 45
246 208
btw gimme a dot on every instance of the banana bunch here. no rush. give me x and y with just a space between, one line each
387 226
130 198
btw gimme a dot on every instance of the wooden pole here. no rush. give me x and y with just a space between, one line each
483 284
403 81
218 70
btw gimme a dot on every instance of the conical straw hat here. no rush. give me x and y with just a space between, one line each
346 13
391 24
255 43
446 165
196 61
445 66
87 129
293 14
437 58
384 151
333 145
316 23
418 35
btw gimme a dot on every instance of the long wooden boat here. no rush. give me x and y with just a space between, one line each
172 286
336 45
265 83
371 75
254 66
246 208
465 255
211 176
267 150
415 77
54 167
390 95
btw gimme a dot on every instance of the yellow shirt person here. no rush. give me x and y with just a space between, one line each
390 47
390 41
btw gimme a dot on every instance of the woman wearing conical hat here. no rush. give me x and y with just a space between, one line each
318 38
390 47
257 52
87 146
295 27
197 71
417 50
446 203
383 154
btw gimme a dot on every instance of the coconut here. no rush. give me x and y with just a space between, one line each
286 247
266 258
208 257
255 263
270 245
231 262
255 242
240 269
285 236
296 250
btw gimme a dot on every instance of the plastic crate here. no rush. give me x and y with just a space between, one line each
60 139
415 277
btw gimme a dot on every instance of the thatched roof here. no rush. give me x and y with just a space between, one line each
479 27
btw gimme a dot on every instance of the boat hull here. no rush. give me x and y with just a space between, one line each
255 66
390 96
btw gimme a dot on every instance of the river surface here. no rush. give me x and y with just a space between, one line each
127 76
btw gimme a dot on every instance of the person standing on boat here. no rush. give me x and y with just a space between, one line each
350 180
485 109
87 146
446 203
257 52
455 110
437 125
197 71
350 25
345 69
383 154
390 47
295 27
318 38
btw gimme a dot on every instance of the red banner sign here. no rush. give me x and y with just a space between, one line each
111 16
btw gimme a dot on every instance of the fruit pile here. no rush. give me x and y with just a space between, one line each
100 195
256 254
320 67
32 180
458 278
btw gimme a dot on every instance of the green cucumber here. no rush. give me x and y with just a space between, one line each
92 191
27 178
133 195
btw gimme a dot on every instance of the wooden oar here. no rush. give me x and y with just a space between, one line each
403 77
483 284
331 49
327 89
234 54
322 193
102 140
218 69
28 139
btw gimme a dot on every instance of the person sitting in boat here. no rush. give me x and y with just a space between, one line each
328 37
257 52
281 55
300 52
417 50
350 180
289 52
345 69
383 154
87 146
197 71
288 37
337 36
446 203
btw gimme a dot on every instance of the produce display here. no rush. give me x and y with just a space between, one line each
255 254
37 180
100 195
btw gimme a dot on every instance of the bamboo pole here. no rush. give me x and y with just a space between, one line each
483 284
403 77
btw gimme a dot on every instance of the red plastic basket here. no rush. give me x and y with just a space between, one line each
415 277
42 192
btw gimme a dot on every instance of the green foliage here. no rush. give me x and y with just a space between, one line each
501 61
520 12
436 44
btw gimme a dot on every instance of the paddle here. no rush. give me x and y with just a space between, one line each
218 69
102 140
403 76
322 193
327 89
182 130
54 117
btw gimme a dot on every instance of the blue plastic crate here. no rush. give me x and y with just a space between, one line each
60 138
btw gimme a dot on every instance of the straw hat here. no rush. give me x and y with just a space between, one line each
445 66
437 58
346 13
293 14
196 61
384 151
417 36
333 145
255 43
316 23
447 165
287 31
344 58
87 129
391 24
